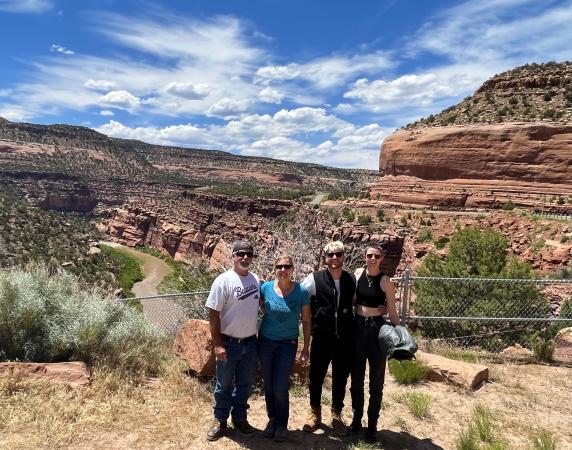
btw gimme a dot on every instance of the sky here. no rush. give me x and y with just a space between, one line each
311 81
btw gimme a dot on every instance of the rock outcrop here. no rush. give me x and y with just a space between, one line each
74 374
459 373
563 345
538 152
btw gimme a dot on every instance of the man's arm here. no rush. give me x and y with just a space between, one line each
310 284
219 349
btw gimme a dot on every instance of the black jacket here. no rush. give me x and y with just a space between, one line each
329 317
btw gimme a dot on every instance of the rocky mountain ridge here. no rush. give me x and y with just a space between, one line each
513 135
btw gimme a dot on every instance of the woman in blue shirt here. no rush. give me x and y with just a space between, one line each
284 303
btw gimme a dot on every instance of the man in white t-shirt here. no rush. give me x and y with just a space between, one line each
233 308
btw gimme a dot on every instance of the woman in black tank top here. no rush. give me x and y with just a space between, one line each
375 296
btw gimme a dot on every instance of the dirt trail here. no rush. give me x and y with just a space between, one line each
154 270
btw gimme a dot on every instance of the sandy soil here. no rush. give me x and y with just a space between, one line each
524 398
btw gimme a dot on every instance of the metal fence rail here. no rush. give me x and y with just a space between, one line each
484 314
489 314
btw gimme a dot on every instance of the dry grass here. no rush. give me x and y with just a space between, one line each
173 412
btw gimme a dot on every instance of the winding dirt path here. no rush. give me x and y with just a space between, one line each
154 270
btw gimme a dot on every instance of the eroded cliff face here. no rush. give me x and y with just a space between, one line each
539 152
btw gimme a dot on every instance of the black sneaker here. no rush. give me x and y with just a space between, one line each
355 427
281 434
217 430
270 429
243 427
370 434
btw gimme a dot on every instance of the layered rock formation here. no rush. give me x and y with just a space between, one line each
509 142
538 152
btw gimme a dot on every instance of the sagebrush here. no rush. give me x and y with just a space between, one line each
50 317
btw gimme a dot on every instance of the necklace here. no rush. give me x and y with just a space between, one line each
369 279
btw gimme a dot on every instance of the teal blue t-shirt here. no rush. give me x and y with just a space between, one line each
282 315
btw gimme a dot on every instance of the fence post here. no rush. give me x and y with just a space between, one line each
406 279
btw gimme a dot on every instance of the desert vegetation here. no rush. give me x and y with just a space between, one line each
30 235
51 317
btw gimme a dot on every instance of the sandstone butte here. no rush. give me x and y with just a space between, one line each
531 152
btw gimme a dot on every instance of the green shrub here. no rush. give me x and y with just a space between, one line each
418 403
483 420
380 214
544 440
566 309
442 242
407 372
364 220
467 440
425 235
348 214
461 355
477 254
543 349
49 318
508 206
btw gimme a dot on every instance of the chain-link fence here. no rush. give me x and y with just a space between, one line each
168 312
507 316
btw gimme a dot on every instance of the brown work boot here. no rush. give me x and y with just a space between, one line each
314 419
338 424
217 430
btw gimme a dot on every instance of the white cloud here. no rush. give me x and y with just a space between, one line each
188 90
269 95
106 112
100 85
228 107
59 49
14 113
499 30
326 72
25 6
120 99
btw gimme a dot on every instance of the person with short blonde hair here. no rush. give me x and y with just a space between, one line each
332 291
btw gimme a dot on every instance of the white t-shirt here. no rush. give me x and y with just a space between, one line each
310 284
237 299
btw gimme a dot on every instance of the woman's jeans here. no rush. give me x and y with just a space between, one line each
277 360
367 348
234 380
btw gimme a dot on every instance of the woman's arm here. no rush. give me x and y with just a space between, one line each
307 330
388 288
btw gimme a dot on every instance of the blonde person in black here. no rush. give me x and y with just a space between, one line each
375 295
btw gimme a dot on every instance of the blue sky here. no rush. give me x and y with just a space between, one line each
310 81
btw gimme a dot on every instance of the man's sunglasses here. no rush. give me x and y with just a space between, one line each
243 254
372 255
332 254
283 266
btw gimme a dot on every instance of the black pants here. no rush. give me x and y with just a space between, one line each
366 348
326 349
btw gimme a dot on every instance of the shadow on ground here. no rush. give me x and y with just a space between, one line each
325 438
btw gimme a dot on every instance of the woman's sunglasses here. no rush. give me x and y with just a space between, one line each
283 266
332 254
373 255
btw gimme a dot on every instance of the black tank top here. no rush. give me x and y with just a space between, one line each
370 296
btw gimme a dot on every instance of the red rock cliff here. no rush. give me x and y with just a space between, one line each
537 152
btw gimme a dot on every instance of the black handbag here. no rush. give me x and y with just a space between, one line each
396 342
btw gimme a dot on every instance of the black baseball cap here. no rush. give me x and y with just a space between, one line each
242 245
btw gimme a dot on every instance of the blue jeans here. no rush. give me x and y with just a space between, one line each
234 380
277 360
